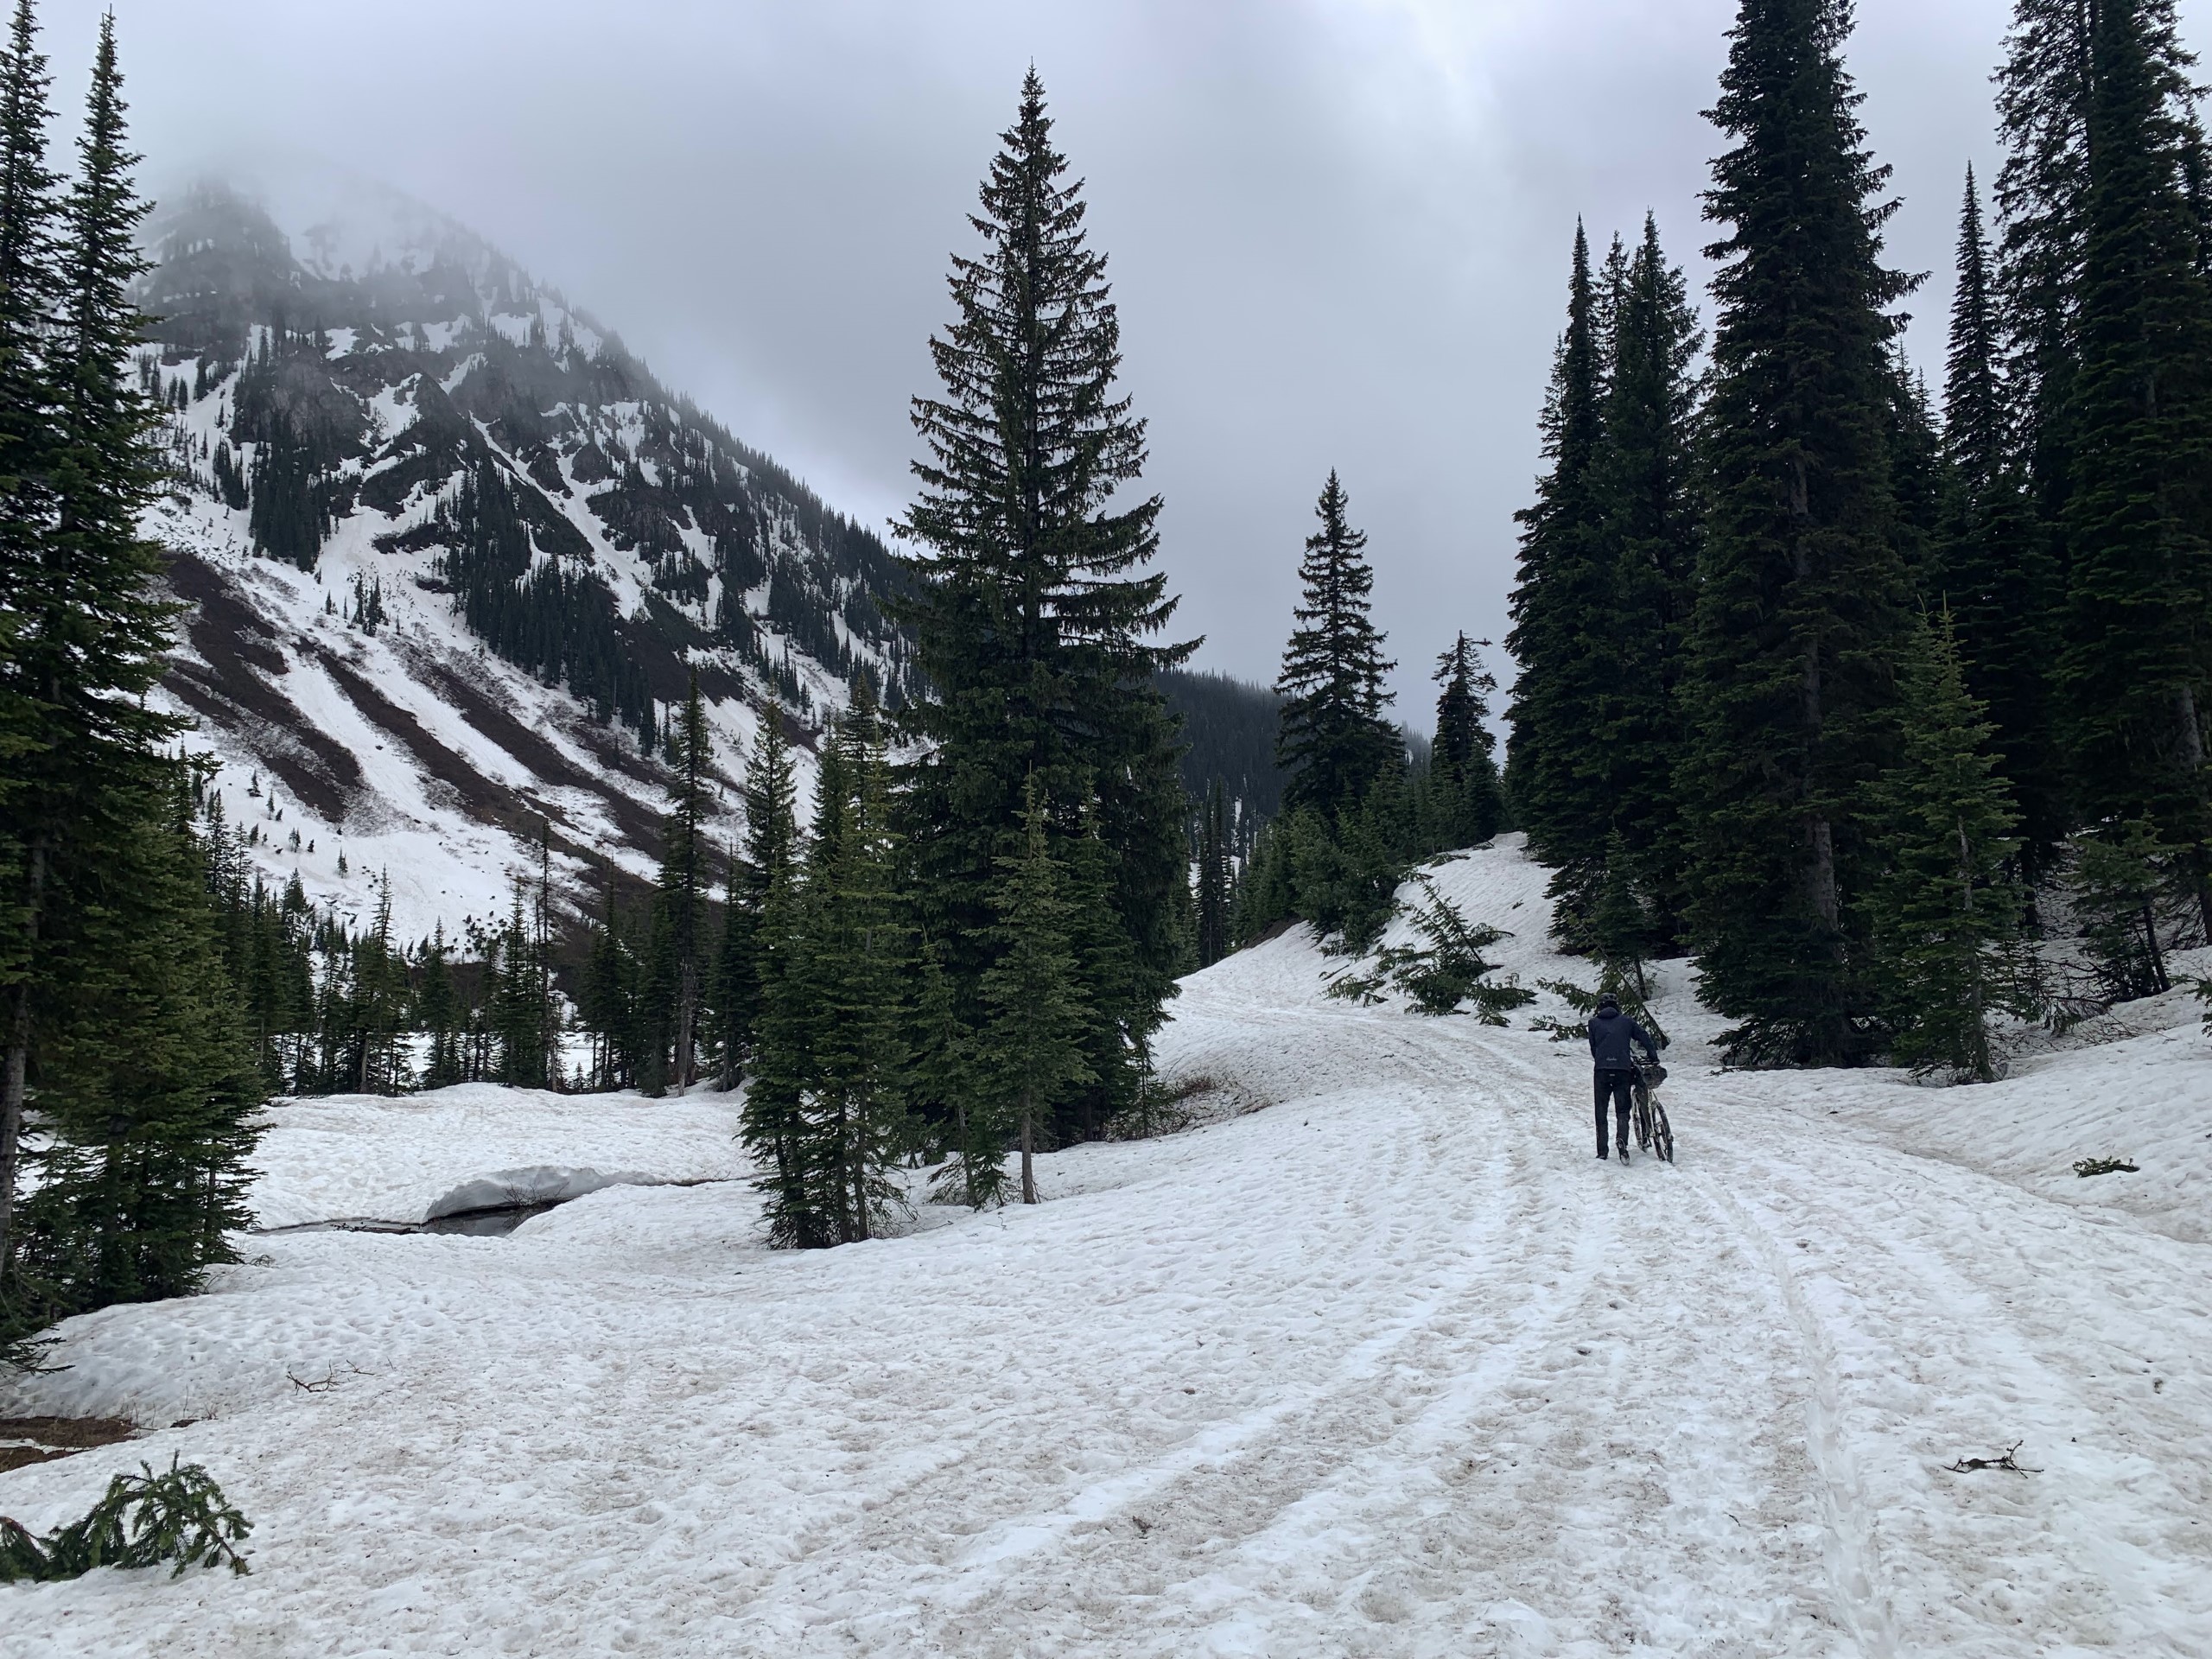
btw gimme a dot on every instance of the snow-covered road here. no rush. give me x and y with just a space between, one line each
1392 1367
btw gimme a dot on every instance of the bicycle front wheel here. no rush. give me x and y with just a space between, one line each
1662 1133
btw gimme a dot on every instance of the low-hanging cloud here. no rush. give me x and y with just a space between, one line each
1338 228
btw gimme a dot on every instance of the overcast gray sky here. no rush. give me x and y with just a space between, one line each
1338 228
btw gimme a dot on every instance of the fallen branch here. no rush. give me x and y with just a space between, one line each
2089 1167
328 1380
2003 1460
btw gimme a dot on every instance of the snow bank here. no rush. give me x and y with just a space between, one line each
412 1157
1391 1367
540 1184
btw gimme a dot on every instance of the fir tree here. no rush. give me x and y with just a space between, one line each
1649 536
2045 89
1559 602
437 1011
1035 1022
1802 598
771 1126
1213 878
1462 769
1034 612
852 960
2138 624
1335 742
84 631
2120 881
1948 908
1993 573
146 1085
768 798
680 920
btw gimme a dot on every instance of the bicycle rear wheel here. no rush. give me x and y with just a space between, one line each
1643 1099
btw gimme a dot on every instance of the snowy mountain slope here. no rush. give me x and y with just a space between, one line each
451 553
1391 1367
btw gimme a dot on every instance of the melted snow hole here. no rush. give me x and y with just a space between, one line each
491 1206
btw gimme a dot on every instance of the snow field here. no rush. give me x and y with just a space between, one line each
1392 1367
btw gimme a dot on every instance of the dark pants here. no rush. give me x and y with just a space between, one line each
1619 1086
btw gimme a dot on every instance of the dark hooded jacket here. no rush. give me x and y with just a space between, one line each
1611 1033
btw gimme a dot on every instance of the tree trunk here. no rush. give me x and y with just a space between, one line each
14 1080
1028 1144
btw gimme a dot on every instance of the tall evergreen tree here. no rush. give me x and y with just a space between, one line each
771 1126
146 1085
437 1012
1035 1022
1033 611
2138 651
1993 571
1335 742
1559 598
1466 807
1649 534
2045 89
1213 877
680 964
1802 596
85 630
852 959
768 798
1949 906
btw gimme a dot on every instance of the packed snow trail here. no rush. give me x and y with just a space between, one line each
1392 1367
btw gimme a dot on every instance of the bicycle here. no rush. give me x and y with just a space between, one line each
1653 1132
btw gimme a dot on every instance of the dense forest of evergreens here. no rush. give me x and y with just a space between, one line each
1845 702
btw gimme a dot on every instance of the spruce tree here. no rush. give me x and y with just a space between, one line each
1802 597
680 920
1648 535
2138 652
771 1126
85 630
1947 910
437 1014
1334 740
1463 787
853 960
768 798
1561 600
1213 877
147 1087
1992 571
1032 612
1035 1022
2045 89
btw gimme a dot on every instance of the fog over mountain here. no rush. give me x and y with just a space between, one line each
1338 229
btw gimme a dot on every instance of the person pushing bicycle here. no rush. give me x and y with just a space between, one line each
1611 1033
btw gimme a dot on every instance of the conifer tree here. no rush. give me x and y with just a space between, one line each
1034 612
1033 1036
1463 770
1802 597
85 630
1647 537
146 1085
1993 572
2045 91
852 960
1213 878
437 1011
768 797
2137 650
29 290
1334 741
1948 908
771 1126
1559 601
679 943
